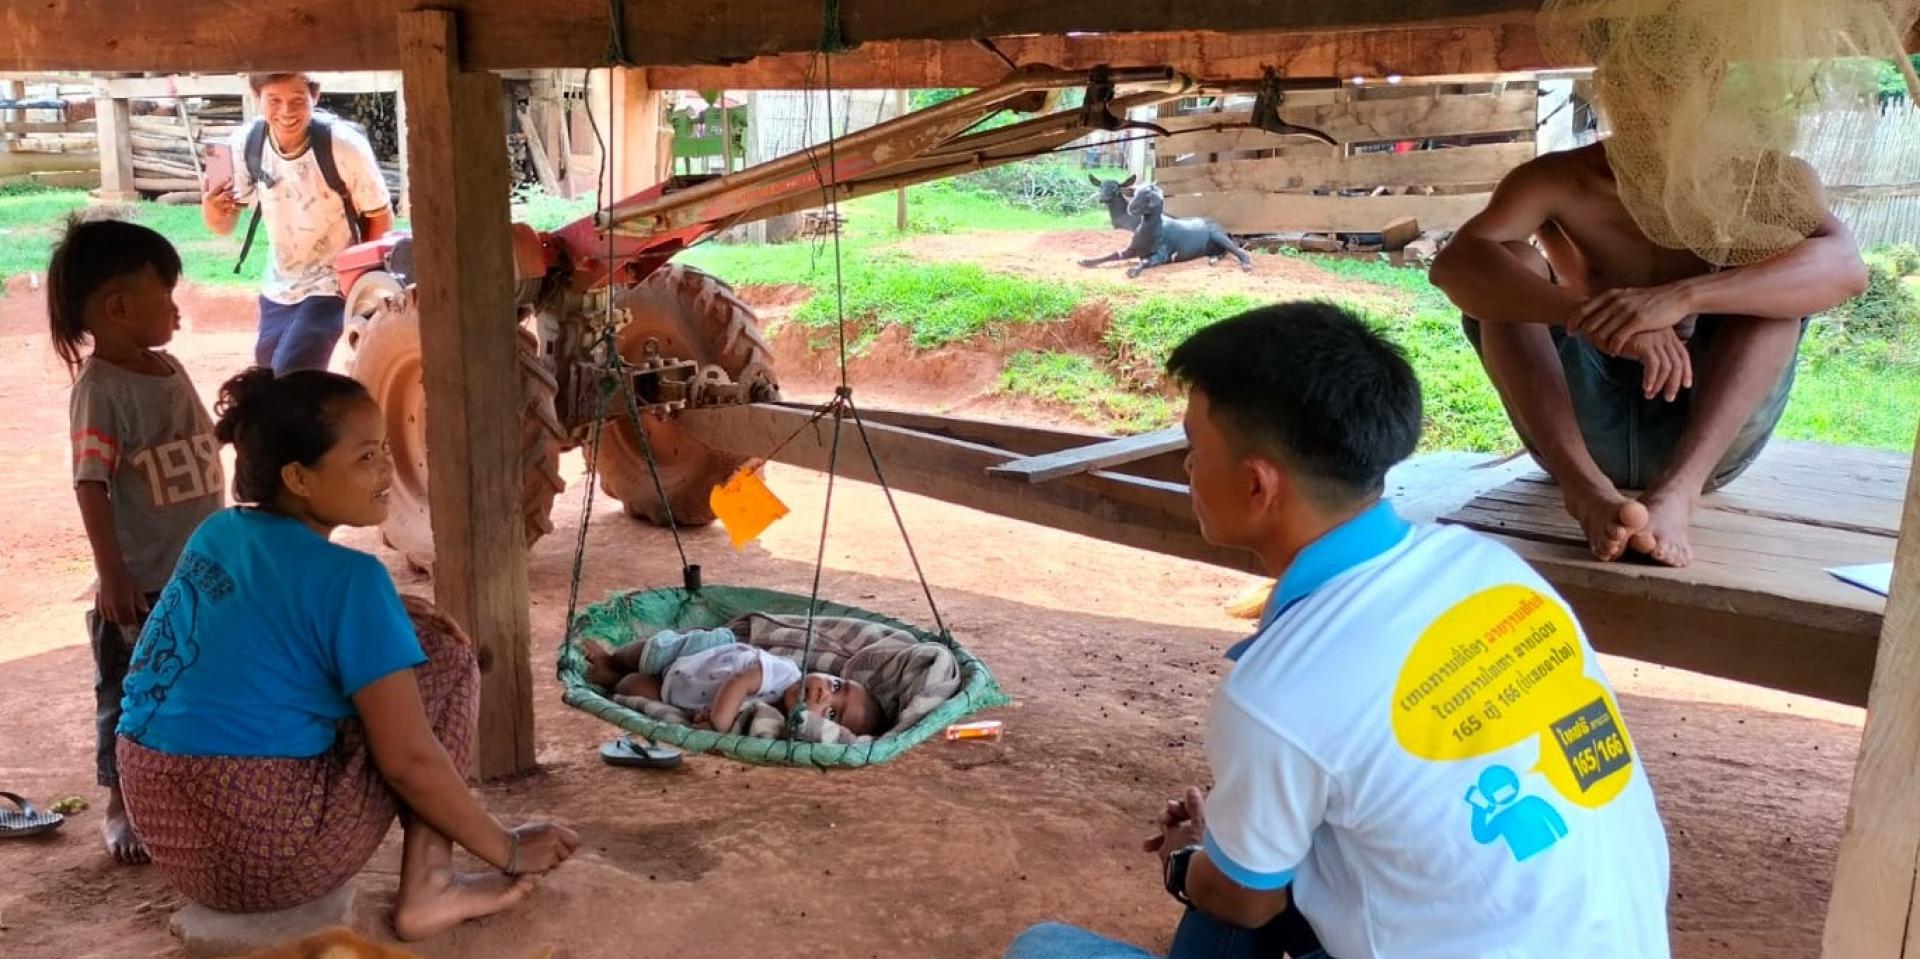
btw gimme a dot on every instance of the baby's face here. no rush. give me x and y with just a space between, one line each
841 700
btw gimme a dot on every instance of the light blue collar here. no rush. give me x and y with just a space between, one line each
1356 541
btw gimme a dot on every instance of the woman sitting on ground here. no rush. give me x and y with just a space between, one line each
285 703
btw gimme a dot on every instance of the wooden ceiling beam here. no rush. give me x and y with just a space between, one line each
208 36
1478 50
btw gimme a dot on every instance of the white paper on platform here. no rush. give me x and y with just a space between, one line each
1877 577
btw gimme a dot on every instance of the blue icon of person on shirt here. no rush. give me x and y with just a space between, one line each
1530 825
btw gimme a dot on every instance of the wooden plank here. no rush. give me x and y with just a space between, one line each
1767 569
1129 510
1099 456
1871 912
1246 211
162 184
1432 485
1374 38
112 120
1022 440
1764 565
20 163
1831 664
235 84
1474 164
1408 51
1363 121
1108 504
202 35
1796 481
471 354
26 127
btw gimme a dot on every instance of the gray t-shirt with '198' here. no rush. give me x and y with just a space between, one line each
151 442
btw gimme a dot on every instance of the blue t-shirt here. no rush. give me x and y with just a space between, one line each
260 640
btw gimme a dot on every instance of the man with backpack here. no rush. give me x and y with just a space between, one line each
318 186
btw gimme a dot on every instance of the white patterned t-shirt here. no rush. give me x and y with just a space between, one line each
303 218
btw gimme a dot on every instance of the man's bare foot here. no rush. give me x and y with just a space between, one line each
447 899
1664 538
1608 518
600 671
123 843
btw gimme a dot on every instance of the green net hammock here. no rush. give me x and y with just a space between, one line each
621 616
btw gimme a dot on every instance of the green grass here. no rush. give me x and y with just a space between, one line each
1145 330
940 303
31 220
1853 404
1462 410
544 212
1080 383
1857 383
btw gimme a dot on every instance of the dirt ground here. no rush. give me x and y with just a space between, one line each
1109 653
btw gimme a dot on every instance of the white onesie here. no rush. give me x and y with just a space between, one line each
692 681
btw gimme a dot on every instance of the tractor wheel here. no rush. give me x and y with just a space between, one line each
694 315
387 362
369 293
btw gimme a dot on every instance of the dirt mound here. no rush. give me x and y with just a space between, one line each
963 375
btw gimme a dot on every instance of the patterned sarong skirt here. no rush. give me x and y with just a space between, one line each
246 834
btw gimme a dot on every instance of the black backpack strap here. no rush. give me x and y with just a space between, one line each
320 134
246 245
253 154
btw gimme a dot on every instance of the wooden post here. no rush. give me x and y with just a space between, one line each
900 195
629 115
116 148
470 347
13 90
403 200
1874 902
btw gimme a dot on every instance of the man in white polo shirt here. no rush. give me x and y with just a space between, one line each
1417 755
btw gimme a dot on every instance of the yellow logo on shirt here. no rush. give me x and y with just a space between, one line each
1502 666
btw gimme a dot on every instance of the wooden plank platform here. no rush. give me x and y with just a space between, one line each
1757 604
1094 456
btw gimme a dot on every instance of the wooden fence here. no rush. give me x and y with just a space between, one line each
1462 139
47 130
1871 163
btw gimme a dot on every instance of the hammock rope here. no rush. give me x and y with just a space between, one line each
614 376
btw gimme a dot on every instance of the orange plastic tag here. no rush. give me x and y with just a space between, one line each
745 506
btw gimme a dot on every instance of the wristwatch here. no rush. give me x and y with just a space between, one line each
1176 873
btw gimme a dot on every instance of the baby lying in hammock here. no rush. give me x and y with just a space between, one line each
712 675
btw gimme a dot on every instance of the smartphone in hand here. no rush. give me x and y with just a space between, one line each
216 162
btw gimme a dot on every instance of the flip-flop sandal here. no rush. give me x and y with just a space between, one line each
626 752
28 821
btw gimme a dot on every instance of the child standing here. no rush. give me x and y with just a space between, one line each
146 468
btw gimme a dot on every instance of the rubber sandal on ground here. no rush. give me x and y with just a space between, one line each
27 821
626 752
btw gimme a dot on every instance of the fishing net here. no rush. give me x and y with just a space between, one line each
1709 102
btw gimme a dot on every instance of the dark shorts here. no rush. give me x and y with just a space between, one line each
299 336
112 651
1632 438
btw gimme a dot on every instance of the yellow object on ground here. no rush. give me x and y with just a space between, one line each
745 506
